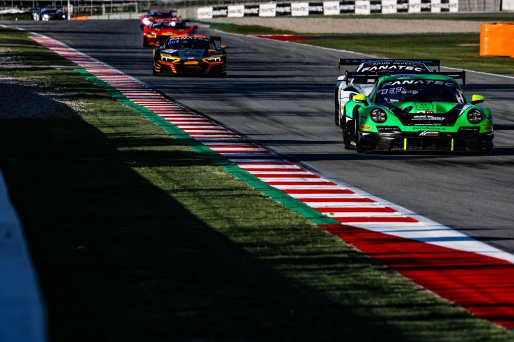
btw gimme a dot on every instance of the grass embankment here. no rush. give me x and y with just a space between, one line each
247 29
137 238
454 50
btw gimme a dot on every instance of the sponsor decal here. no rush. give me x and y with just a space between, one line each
220 11
300 9
251 10
283 9
428 134
387 128
316 8
408 82
362 7
267 10
331 8
375 6
236 11
365 127
204 13
394 67
347 7
427 117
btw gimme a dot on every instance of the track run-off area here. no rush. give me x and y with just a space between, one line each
450 228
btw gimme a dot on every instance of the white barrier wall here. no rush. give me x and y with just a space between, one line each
363 7
268 10
299 9
508 5
236 11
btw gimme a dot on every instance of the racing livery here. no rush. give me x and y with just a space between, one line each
155 15
157 32
417 112
353 83
190 55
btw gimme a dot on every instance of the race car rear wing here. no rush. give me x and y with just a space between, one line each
215 38
353 61
371 78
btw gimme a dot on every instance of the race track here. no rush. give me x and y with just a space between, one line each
281 95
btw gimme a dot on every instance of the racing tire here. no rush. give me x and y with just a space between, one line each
337 119
350 132
347 135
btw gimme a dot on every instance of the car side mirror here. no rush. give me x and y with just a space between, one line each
360 98
223 46
477 99
342 78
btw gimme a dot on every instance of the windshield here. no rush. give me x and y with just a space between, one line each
169 25
161 14
419 91
189 44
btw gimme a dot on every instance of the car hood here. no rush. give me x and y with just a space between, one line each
188 54
427 113
424 107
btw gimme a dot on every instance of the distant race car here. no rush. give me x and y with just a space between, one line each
46 14
156 33
416 112
155 15
190 55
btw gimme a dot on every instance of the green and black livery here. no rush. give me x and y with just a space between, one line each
417 112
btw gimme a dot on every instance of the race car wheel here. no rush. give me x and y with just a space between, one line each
349 135
350 131
337 119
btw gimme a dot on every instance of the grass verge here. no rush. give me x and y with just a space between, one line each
454 50
138 238
458 51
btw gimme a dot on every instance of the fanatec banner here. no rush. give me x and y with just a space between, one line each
330 8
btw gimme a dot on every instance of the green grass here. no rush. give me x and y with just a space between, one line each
458 51
137 238
454 50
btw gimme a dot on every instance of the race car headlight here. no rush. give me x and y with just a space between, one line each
378 115
45 16
167 58
151 34
475 116
214 59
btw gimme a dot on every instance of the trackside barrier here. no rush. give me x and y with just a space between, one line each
361 7
497 39
79 18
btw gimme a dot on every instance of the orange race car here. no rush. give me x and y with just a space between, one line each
190 55
156 33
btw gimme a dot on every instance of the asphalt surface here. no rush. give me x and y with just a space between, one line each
281 95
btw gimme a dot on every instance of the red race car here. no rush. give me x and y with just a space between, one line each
155 15
157 33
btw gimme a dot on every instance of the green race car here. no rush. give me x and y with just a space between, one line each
417 112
